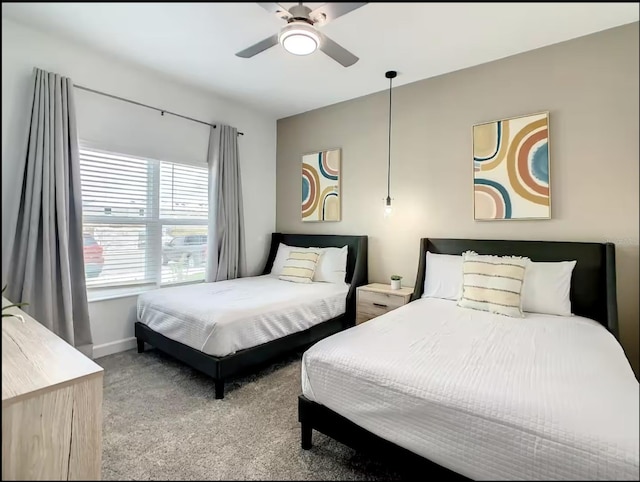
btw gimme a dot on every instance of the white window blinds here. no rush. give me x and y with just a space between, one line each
145 221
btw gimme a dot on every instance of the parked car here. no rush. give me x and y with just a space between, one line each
191 249
93 257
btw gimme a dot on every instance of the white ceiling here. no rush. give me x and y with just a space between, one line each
196 42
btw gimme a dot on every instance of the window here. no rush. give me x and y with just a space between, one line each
145 221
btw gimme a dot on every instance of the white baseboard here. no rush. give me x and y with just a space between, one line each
113 347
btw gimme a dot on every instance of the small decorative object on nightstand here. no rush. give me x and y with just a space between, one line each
377 299
396 282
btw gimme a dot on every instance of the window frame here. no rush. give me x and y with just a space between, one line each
153 225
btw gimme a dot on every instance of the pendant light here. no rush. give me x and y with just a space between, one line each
387 206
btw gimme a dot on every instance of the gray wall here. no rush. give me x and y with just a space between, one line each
590 87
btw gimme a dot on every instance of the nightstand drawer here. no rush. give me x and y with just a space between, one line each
377 299
372 309
381 300
361 318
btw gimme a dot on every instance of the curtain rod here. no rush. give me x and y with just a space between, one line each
162 111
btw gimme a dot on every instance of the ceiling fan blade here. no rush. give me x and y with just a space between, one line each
259 47
275 8
331 11
336 51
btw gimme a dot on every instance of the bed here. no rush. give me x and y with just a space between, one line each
470 394
228 328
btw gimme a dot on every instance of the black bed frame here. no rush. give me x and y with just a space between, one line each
241 362
593 295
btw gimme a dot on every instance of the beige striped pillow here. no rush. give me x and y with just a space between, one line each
493 283
300 266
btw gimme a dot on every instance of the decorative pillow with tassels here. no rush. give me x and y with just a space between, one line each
300 266
493 283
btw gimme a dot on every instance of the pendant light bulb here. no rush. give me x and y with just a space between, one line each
387 207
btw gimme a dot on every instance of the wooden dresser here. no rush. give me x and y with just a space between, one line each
51 405
376 299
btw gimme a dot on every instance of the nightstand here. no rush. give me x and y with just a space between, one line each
377 299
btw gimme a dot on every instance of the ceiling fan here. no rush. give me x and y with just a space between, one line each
300 36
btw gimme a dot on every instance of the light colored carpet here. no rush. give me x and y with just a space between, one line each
162 422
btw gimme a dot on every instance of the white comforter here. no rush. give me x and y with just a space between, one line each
224 317
488 396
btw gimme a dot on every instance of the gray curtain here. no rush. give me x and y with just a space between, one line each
225 254
46 265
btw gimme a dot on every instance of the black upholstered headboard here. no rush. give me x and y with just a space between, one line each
593 283
357 264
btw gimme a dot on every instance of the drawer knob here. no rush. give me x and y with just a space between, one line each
380 305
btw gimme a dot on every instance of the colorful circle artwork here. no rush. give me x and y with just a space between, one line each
321 186
511 169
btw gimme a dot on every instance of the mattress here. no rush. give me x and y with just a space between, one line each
227 316
487 396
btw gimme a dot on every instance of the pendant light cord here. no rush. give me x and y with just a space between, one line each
389 157
389 75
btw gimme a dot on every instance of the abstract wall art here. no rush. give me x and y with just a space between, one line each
321 186
511 168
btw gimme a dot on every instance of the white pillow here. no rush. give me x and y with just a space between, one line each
493 283
443 276
547 286
281 258
332 265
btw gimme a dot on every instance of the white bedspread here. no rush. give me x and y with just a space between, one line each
227 316
488 396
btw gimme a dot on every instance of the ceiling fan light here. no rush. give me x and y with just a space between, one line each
299 39
298 44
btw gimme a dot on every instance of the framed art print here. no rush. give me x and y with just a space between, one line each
321 186
511 168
